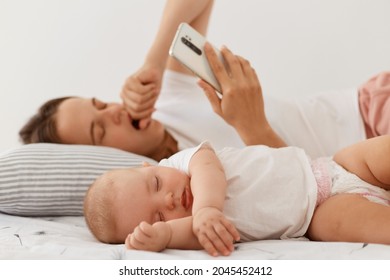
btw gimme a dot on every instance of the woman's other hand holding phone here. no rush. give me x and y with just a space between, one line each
242 104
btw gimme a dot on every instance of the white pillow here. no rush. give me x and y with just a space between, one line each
51 179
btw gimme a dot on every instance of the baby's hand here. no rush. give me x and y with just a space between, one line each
149 237
214 232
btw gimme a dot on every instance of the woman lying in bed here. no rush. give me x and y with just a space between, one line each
172 111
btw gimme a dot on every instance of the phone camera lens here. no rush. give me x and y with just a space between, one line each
191 46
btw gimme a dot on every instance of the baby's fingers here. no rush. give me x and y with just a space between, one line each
208 245
128 242
146 229
232 230
226 239
132 243
141 235
217 241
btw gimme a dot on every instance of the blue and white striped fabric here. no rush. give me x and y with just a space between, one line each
51 179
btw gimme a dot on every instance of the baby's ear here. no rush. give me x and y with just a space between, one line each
146 164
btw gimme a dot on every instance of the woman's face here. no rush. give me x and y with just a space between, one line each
93 122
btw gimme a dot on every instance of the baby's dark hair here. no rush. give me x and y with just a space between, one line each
41 127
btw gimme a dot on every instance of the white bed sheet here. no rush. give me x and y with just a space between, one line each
69 238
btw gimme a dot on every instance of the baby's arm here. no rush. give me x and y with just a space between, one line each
178 234
175 234
208 184
208 181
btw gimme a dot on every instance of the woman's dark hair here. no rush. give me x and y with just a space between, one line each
42 128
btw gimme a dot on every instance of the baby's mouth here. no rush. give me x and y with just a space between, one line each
186 198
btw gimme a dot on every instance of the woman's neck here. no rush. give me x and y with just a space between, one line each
167 147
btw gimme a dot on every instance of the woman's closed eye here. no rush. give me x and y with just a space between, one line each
97 128
100 105
99 133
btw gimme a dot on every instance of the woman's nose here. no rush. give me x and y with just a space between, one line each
113 112
169 201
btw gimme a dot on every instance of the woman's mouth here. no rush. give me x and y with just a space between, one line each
135 124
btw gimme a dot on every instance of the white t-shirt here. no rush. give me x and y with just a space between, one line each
271 193
321 124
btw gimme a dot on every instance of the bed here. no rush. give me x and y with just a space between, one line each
68 237
41 193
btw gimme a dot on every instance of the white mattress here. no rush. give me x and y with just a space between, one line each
69 238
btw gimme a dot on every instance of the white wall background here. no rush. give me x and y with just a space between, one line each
51 48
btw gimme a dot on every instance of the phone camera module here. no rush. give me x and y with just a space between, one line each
191 46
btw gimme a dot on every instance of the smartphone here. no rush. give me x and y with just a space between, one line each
188 48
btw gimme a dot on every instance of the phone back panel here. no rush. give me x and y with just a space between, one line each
188 48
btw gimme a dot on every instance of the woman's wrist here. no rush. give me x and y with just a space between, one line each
262 135
156 64
157 58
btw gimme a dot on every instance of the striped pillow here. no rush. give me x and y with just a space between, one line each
51 179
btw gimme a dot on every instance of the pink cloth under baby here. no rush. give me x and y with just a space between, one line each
374 103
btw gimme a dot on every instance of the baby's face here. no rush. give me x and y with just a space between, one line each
150 194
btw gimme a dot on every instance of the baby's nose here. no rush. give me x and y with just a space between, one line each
169 201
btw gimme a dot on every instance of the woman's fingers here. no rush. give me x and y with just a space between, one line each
216 65
212 96
139 94
233 63
232 70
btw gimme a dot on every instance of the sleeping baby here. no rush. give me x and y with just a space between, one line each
200 198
